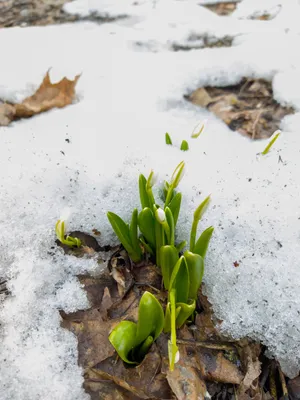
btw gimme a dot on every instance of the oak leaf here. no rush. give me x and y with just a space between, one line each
48 95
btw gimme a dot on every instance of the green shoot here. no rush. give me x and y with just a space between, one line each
60 233
184 145
271 142
168 139
197 216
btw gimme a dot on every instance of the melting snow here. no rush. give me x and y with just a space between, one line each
87 157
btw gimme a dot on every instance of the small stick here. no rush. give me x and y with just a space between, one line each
255 123
207 345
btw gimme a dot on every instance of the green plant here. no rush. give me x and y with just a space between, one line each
182 274
67 240
199 128
184 145
127 234
133 340
168 138
271 142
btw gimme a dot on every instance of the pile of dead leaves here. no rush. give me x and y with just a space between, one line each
48 95
248 107
210 365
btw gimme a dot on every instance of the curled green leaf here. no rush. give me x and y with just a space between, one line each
68 240
146 222
180 280
195 266
133 232
122 231
168 259
174 206
202 243
123 339
150 318
145 202
185 311
198 214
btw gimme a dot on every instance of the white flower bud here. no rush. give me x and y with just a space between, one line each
160 215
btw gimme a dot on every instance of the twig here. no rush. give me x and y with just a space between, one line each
255 123
207 345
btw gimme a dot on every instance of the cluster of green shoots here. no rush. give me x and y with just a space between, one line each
152 231
184 144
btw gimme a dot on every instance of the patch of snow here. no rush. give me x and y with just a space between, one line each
87 157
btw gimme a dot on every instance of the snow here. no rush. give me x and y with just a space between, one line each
130 93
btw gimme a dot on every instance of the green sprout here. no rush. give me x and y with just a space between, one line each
168 139
127 234
67 240
197 216
271 142
199 128
133 340
184 145
152 231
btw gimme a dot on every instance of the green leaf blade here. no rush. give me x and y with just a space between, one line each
195 266
168 259
180 281
150 318
123 340
202 243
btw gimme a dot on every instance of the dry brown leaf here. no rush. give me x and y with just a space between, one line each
7 113
145 380
215 367
105 389
249 357
248 107
48 95
186 383
294 388
200 97
93 343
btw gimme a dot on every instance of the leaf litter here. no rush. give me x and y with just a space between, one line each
248 107
210 365
47 96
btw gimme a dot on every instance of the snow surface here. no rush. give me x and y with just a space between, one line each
130 93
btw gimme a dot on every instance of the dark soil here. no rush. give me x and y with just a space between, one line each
248 107
38 13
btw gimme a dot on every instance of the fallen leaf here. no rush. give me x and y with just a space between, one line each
249 356
93 343
200 97
48 95
248 107
214 366
294 388
145 380
186 383
7 113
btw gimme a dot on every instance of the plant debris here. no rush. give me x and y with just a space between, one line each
195 41
225 8
210 364
40 13
247 107
48 95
